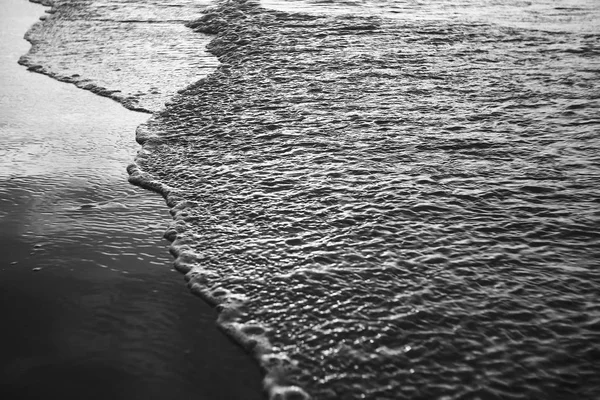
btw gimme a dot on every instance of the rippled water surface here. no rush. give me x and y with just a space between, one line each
394 206
549 15
137 52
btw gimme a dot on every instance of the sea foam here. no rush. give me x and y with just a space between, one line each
352 200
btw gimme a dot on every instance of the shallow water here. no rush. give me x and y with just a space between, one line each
548 15
396 207
137 52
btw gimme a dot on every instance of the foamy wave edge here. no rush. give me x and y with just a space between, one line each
276 365
251 337
78 81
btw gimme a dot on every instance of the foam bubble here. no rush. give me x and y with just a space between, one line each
287 393
251 335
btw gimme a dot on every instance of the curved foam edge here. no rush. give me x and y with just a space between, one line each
83 84
201 281
76 80
279 369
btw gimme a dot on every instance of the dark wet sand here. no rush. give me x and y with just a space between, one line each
99 334
105 316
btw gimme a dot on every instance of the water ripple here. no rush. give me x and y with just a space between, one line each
408 209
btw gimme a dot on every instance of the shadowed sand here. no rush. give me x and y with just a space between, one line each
103 334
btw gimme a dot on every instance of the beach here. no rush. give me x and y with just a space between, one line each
91 305
380 199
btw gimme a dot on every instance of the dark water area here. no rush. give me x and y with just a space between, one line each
383 199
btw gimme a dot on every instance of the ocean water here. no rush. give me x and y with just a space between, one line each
136 52
384 199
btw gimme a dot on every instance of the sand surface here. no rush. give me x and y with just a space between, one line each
90 305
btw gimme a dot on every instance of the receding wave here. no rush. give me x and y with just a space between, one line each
138 53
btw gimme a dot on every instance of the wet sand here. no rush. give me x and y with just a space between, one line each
90 305
100 334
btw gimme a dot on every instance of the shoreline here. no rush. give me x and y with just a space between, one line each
85 314
293 153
